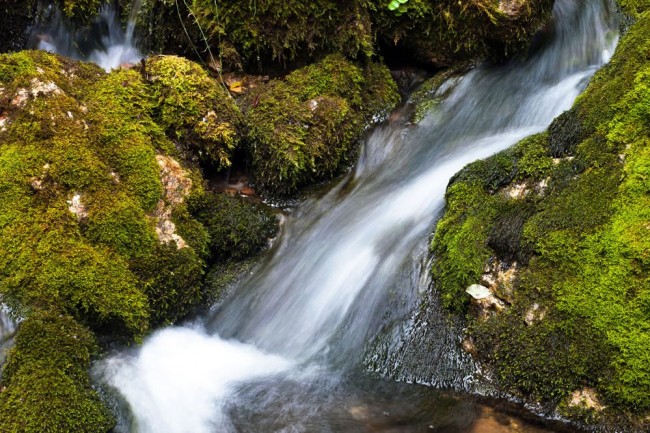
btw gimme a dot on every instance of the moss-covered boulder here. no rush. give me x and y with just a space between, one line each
46 379
303 127
98 235
196 111
566 214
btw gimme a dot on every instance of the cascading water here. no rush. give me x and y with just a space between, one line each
104 42
7 332
278 355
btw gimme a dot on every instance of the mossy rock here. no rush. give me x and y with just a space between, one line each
46 379
303 127
273 34
582 224
194 109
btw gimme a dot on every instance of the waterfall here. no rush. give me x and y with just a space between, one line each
283 350
104 42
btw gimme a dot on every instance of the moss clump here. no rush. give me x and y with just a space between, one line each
46 379
584 231
236 229
303 127
193 109
274 30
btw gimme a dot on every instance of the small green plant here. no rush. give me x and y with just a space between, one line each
399 6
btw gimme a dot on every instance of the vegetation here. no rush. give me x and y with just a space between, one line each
304 127
582 238
47 381
194 109
265 35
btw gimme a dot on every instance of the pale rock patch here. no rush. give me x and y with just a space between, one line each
176 187
587 398
76 207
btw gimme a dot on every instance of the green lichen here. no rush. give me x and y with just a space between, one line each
303 127
587 253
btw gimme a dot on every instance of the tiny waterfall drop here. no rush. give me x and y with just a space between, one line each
105 42
281 352
7 332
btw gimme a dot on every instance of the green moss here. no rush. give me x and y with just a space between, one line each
585 236
194 109
236 229
117 221
282 31
172 280
459 245
46 379
304 126
633 7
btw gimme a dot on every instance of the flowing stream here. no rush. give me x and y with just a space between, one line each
284 352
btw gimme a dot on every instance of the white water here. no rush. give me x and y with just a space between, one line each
307 311
7 332
105 43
